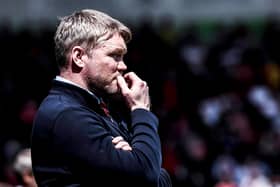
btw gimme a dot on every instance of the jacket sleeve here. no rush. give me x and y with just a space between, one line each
80 136
164 179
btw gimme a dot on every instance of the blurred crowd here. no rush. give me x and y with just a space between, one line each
216 93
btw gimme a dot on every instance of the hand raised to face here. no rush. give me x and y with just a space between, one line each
135 91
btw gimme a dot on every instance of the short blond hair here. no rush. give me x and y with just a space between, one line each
85 28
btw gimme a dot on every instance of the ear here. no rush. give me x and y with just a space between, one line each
77 56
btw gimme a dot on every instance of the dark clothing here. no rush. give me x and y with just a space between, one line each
72 143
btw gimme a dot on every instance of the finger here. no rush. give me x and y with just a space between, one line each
121 144
135 81
122 84
117 139
132 77
127 148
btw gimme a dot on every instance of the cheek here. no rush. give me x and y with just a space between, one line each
105 73
110 63
108 68
104 69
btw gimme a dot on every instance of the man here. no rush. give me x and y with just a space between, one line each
76 141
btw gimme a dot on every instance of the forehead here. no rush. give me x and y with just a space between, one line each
114 43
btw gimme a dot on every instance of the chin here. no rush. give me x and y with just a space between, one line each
113 90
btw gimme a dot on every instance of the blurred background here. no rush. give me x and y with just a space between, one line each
213 68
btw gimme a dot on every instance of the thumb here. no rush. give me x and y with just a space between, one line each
123 85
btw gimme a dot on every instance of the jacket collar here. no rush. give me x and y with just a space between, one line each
77 93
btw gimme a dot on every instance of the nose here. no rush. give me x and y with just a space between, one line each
121 66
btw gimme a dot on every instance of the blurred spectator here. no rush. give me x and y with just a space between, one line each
254 175
3 184
224 171
23 169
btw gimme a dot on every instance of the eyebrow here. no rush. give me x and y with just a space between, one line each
115 48
120 50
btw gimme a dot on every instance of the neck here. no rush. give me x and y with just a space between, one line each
75 79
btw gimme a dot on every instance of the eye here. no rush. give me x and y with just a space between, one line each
116 56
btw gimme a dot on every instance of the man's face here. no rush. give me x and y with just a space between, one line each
104 64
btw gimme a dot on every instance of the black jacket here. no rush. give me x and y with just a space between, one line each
71 143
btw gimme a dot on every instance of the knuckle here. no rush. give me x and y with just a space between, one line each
126 94
143 84
130 74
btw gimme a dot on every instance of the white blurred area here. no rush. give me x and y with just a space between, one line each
37 12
